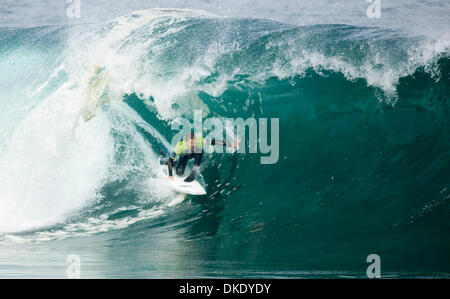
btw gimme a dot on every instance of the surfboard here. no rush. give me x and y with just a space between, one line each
193 188
178 184
96 90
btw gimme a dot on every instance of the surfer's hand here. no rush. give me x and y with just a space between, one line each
170 178
236 143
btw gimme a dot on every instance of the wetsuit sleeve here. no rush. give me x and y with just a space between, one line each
216 142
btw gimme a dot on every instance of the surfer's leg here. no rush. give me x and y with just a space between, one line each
181 165
195 170
164 161
198 158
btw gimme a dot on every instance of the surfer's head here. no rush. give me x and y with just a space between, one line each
190 140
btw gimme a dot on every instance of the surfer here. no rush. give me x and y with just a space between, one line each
191 147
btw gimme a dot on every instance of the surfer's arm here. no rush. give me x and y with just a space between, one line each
170 168
224 144
218 142
170 164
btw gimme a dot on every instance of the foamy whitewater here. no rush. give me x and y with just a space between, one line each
364 139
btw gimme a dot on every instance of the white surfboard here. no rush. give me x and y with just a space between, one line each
193 188
95 87
178 184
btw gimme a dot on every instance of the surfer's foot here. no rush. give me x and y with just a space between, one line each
190 178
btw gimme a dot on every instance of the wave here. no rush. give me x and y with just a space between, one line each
363 130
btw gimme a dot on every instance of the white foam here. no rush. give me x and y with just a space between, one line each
52 164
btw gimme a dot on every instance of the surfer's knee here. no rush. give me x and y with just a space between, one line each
164 161
198 159
179 170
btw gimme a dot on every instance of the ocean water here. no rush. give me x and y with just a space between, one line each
364 138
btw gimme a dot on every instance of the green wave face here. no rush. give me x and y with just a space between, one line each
364 146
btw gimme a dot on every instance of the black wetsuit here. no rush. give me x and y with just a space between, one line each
183 159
